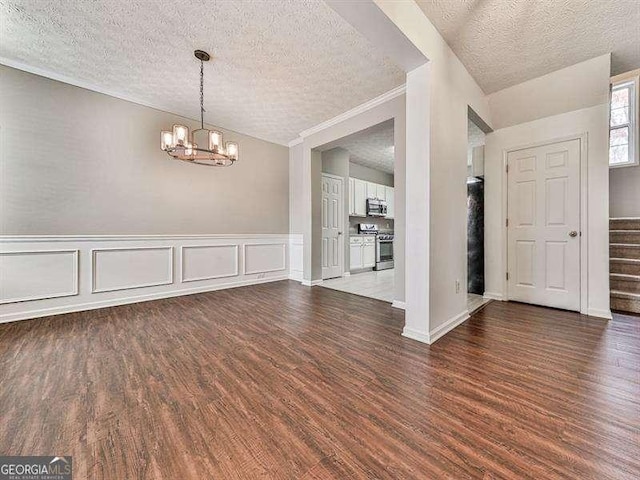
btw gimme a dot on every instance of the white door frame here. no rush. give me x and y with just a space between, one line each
584 230
342 199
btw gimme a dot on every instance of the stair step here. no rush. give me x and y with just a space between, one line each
625 283
624 223
625 266
625 236
624 250
626 302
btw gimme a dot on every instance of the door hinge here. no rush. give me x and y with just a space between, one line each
506 167
507 275
506 222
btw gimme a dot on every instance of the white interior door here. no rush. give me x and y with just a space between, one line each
544 225
332 225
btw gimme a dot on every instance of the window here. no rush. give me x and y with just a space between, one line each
623 122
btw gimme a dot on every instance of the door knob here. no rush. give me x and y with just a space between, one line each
339 233
573 233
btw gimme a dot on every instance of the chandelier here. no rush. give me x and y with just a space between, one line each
203 146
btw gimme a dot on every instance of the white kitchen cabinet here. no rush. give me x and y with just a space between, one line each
372 190
355 253
351 195
360 190
389 192
369 252
362 252
359 198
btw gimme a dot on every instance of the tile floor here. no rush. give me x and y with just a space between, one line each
474 302
379 285
374 284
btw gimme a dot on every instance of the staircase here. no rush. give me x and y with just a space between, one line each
624 249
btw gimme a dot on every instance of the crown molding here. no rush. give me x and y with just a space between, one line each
42 72
374 102
295 142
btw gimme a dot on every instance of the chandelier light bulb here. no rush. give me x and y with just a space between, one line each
180 135
232 150
215 141
166 140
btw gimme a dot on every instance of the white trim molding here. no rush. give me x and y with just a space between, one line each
110 270
447 326
311 283
121 269
44 272
296 256
398 304
493 296
183 264
269 267
417 335
594 312
368 105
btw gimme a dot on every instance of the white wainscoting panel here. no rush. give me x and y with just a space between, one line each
264 258
49 275
206 262
37 275
296 258
127 268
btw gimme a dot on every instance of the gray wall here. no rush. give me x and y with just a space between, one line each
624 192
370 175
336 162
74 161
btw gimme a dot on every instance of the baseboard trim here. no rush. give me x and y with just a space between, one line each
346 274
399 304
45 312
417 335
297 276
493 296
447 326
595 312
311 283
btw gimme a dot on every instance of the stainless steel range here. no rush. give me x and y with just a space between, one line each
384 245
384 251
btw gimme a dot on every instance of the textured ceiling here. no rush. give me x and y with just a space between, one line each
506 42
279 67
373 147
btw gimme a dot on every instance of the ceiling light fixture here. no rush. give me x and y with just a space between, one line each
204 146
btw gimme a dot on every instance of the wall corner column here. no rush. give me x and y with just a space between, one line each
417 204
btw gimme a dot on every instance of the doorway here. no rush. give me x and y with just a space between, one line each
475 217
358 229
543 225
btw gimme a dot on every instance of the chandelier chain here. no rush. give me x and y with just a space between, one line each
201 94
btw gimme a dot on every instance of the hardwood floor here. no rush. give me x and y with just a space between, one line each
285 382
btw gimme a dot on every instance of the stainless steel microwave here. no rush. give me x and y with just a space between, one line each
376 207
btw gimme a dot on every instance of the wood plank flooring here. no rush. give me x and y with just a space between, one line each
279 381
